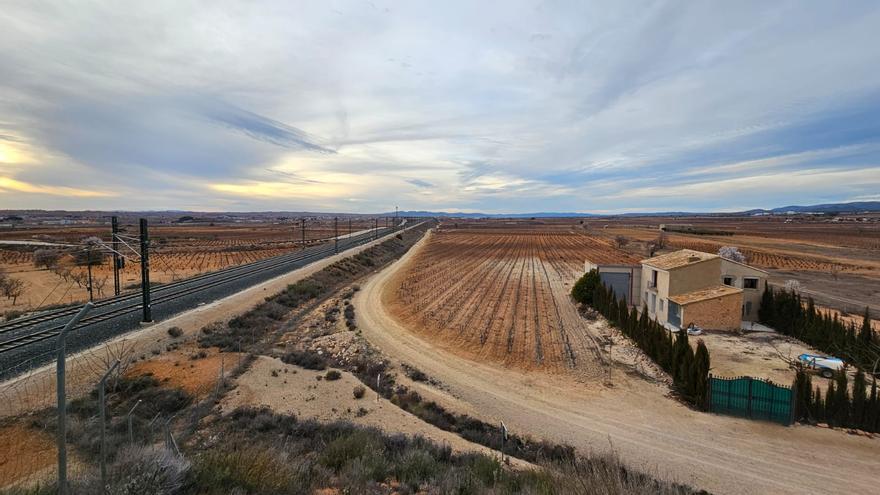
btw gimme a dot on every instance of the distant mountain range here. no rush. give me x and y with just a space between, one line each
853 207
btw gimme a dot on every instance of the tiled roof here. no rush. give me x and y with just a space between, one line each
704 294
678 259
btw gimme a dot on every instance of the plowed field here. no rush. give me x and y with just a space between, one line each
503 296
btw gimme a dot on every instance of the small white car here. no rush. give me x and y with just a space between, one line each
825 365
694 330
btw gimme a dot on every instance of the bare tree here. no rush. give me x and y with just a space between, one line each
792 285
98 283
91 253
79 278
834 270
13 288
657 244
46 258
732 253
62 271
620 241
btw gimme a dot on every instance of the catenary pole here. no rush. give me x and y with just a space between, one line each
145 272
114 226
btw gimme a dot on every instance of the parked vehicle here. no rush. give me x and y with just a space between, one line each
694 330
825 365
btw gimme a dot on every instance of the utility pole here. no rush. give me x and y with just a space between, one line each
114 226
89 269
302 224
376 228
396 217
336 235
145 272
349 227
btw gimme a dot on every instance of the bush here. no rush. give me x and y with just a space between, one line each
333 375
359 392
305 359
583 289
175 332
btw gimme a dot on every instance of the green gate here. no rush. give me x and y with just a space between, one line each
752 398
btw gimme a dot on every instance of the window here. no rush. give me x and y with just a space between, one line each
750 283
662 301
728 281
653 282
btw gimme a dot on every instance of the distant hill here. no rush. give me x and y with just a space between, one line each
853 207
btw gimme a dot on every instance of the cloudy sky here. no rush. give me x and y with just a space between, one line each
501 106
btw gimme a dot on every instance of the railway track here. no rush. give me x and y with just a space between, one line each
38 330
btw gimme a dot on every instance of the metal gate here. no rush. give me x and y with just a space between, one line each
752 398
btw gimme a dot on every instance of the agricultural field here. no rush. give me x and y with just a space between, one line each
178 251
500 293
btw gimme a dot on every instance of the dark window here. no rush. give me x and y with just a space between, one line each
750 283
728 281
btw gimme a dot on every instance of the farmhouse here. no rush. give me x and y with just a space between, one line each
689 286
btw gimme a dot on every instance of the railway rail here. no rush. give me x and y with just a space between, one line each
19 339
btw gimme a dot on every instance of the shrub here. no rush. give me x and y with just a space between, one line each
359 392
583 289
415 374
333 375
305 359
175 332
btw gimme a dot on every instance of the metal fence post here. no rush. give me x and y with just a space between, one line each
62 398
103 414
130 425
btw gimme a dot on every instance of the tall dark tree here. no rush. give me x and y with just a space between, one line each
700 375
585 287
866 335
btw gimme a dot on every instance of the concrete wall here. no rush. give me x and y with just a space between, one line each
720 313
694 277
654 297
751 297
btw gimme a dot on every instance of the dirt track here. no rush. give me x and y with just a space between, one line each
634 418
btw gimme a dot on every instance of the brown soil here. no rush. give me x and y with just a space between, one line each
24 454
290 389
635 417
503 297
185 369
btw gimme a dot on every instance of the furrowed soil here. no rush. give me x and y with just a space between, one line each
619 412
502 297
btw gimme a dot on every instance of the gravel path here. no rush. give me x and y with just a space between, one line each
634 418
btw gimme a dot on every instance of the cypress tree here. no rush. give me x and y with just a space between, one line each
767 310
859 400
700 375
817 407
802 388
866 336
841 401
830 406
873 408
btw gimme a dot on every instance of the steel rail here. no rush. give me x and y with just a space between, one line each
312 254
42 317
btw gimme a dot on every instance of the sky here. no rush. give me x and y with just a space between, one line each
508 106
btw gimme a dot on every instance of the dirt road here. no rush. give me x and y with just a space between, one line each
635 419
